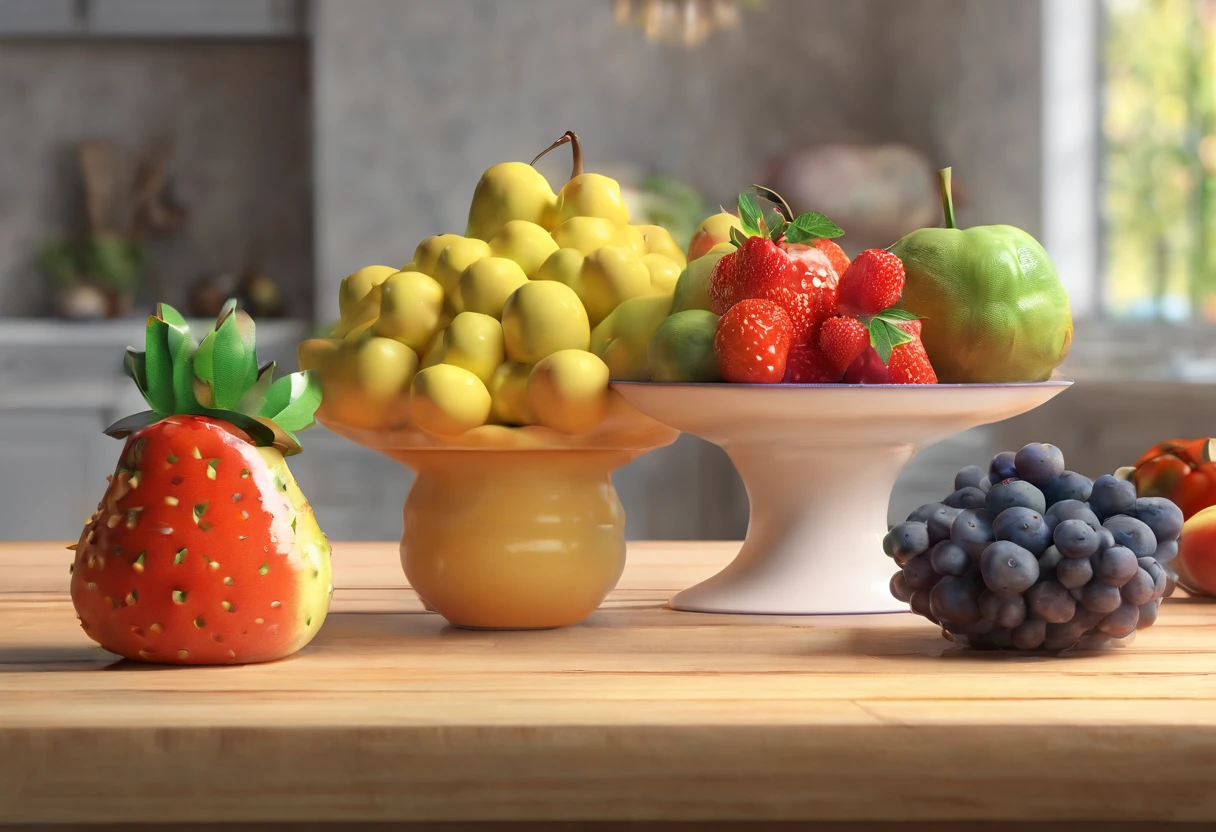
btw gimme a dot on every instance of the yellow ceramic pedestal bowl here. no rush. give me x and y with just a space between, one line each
514 528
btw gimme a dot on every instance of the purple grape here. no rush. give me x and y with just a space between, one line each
899 588
908 539
1006 611
1121 622
966 498
1063 636
1000 638
921 514
1111 496
1166 552
1138 590
1072 510
969 477
939 523
1075 539
1002 467
919 574
985 484
972 531
1049 562
1068 486
1148 614
1105 539
1023 526
1074 573
1051 602
1007 495
1161 586
955 601
1008 569
919 602
1130 532
1039 464
1087 619
1100 597
1160 515
1116 566
1029 634
949 559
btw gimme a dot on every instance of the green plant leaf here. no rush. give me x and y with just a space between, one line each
737 237
158 367
134 367
58 262
251 402
128 425
114 260
750 214
226 364
292 400
182 347
775 224
260 433
812 226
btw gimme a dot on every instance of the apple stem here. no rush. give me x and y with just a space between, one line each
943 177
568 137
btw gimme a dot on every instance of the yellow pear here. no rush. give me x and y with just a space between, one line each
362 315
659 241
542 317
410 308
568 391
509 395
457 256
474 341
527 243
446 400
610 275
428 251
508 191
355 287
622 338
586 233
591 195
664 272
488 283
713 230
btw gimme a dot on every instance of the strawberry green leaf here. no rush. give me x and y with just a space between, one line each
128 425
737 237
158 366
885 337
260 434
181 346
179 330
895 314
750 214
775 223
772 196
812 226
251 402
302 392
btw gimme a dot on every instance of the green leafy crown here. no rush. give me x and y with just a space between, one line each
218 377
780 223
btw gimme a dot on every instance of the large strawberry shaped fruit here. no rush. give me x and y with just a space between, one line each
203 550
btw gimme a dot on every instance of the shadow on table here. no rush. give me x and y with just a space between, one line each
643 826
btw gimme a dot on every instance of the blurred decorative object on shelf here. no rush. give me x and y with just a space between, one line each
97 274
260 295
878 192
209 292
684 22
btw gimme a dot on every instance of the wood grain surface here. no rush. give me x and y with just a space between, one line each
640 713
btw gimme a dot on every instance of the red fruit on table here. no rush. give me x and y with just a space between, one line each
752 342
843 340
873 282
909 364
1196 561
758 267
808 365
867 369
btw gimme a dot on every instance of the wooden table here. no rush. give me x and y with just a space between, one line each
640 713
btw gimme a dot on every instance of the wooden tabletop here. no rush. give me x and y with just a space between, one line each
639 713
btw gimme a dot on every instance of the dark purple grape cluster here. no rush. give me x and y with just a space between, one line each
1030 556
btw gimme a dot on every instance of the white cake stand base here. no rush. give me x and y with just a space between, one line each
819 463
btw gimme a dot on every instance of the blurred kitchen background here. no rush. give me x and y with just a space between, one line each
187 150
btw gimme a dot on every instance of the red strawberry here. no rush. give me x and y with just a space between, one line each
867 369
757 268
752 342
835 255
909 364
203 550
873 282
842 341
808 365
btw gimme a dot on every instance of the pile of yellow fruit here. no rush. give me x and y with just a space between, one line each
519 322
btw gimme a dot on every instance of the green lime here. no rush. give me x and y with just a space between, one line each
682 350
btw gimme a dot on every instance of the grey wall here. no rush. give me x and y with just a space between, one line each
239 113
415 98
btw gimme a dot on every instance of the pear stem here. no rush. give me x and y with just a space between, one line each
572 139
943 177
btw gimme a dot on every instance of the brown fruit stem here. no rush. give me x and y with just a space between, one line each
943 177
772 196
568 137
